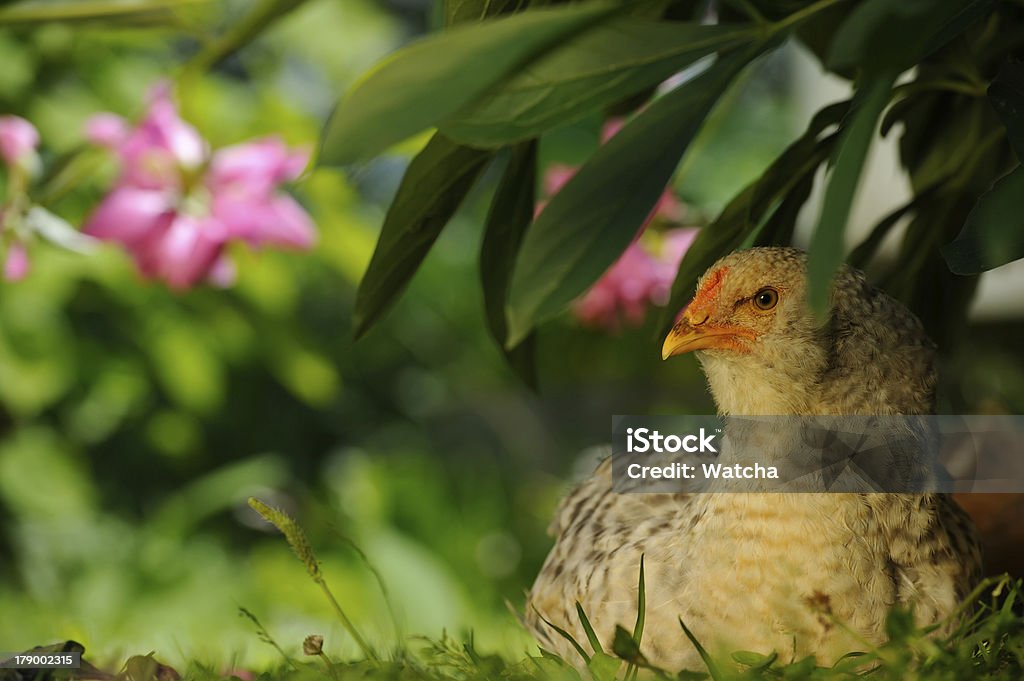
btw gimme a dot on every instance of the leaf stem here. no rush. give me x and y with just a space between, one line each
748 8
946 85
802 14
346 622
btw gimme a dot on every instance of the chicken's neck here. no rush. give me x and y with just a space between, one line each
746 385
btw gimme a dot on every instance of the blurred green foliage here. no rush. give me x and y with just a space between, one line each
135 421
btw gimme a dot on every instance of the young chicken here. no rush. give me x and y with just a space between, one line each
758 571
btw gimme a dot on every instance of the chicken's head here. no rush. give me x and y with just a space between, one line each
765 352
746 304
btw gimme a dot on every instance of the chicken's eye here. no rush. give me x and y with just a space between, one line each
766 299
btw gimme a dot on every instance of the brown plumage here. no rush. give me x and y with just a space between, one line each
768 572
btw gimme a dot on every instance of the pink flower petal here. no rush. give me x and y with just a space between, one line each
165 128
16 265
183 253
557 176
156 151
675 243
256 168
130 215
622 291
278 221
611 128
18 139
106 130
669 208
223 274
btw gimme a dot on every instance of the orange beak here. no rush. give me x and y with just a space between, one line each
684 337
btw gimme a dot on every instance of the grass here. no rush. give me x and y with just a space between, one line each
988 644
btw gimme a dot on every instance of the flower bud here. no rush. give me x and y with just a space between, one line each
313 645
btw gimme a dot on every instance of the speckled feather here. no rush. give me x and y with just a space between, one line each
770 572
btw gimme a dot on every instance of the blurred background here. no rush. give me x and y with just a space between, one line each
134 421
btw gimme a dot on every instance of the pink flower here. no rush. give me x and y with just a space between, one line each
668 208
176 205
16 265
643 274
557 176
639 278
18 140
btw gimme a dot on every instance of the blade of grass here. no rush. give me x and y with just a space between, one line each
297 539
641 604
376 576
713 669
595 642
264 635
566 635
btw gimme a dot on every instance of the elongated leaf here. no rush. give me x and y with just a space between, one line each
433 187
641 605
604 667
778 229
422 84
626 647
244 31
599 67
511 213
827 245
994 232
467 11
33 12
595 642
883 36
566 635
756 661
747 209
58 231
921 277
713 669
1007 96
862 254
589 223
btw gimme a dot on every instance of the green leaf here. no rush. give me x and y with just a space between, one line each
626 647
899 624
434 185
566 635
420 85
468 11
747 210
800 670
890 36
604 667
598 68
862 254
242 32
589 223
33 11
756 661
826 250
778 229
641 604
1007 96
58 231
994 232
687 675
595 642
510 214
716 674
